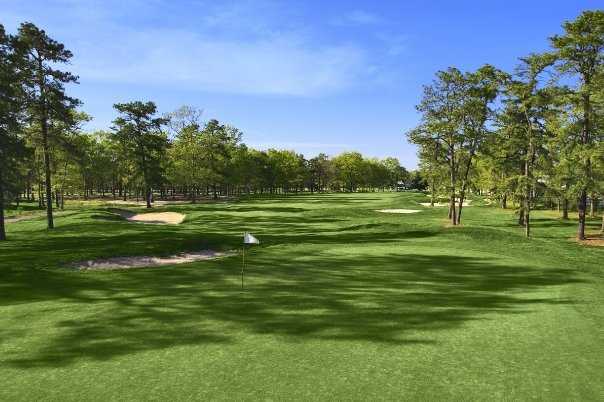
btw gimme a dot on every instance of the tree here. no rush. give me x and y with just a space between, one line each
140 134
431 169
320 172
526 112
350 170
599 128
218 142
416 181
442 117
187 159
287 170
45 88
183 117
580 54
11 146
395 171
481 91
455 111
563 166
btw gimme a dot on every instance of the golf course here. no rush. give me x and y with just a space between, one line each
301 201
340 302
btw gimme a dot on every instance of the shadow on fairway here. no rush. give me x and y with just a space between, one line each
392 299
299 287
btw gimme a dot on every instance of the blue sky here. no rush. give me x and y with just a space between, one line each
313 76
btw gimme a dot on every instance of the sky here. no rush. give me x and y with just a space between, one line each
312 76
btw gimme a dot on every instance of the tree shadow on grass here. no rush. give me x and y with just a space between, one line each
123 239
391 299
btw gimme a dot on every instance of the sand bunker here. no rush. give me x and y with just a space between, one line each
172 218
146 261
398 211
596 240
161 218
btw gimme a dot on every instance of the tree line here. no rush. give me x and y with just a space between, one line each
46 156
530 137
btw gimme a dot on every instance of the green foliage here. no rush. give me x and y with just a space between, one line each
351 171
141 138
12 147
456 112
524 137
580 53
49 110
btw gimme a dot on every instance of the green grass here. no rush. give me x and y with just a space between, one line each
340 303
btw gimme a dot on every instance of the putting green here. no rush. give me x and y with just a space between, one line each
338 304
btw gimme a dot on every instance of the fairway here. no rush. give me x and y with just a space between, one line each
340 303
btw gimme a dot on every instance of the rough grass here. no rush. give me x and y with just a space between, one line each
340 303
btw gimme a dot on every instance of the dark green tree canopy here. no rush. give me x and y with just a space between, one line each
44 82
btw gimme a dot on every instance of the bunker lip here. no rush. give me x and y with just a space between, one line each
398 211
116 263
592 240
157 218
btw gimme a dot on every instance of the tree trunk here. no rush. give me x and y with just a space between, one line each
2 229
452 212
528 162
145 177
464 185
40 196
528 190
148 195
565 208
527 214
582 206
452 177
585 141
521 212
49 217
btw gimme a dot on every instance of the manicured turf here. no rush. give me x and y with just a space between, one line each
340 303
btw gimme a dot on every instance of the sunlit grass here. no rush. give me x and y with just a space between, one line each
340 302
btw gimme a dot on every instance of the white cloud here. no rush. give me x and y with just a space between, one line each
278 65
244 47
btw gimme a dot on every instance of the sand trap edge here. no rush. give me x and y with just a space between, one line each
119 263
150 218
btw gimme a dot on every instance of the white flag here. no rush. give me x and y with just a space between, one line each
249 239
